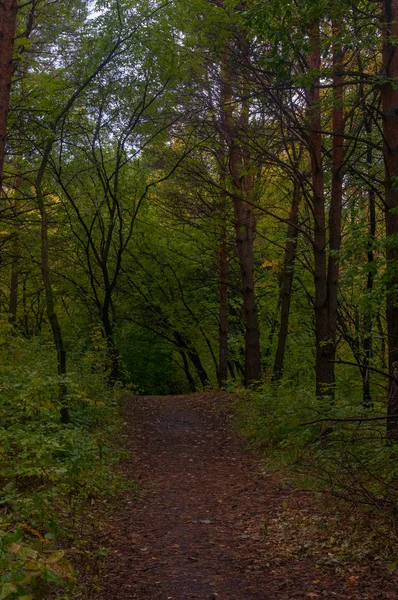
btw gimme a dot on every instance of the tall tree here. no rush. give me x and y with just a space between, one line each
286 281
242 167
8 23
389 94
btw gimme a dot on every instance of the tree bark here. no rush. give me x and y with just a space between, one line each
222 374
389 96
244 229
326 269
113 358
286 282
368 321
15 259
324 369
336 202
243 199
14 280
8 22
187 372
193 357
50 302
222 371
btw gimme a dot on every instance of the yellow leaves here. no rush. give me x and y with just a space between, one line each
56 556
91 402
270 264
22 551
35 533
32 565
7 589
98 340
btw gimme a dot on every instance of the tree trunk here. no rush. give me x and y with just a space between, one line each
50 303
193 357
368 321
336 202
222 374
244 228
286 282
225 97
8 22
15 259
52 316
389 95
324 369
243 186
231 368
14 279
187 372
112 353
326 270
222 371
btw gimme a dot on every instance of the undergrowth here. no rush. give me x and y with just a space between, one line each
338 448
54 479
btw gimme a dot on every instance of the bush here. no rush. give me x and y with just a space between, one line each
51 475
345 452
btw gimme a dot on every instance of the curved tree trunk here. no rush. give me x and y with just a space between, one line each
193 357
50 302
187 372
286 282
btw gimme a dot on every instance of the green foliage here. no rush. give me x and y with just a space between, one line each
338 447
28 570
272 418
50 474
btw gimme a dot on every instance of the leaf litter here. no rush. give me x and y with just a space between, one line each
210 523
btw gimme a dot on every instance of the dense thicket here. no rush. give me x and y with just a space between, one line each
193 195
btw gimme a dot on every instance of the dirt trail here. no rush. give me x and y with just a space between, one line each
199 527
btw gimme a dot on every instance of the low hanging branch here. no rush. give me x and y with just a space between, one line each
356 419
360 365
349 420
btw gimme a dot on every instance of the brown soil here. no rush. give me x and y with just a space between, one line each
209 523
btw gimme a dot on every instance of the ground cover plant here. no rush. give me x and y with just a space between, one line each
53 476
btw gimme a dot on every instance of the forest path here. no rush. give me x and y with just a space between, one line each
208 522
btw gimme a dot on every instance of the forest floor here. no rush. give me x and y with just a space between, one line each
208 522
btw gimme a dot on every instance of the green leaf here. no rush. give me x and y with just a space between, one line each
23 551
6 590
56 556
